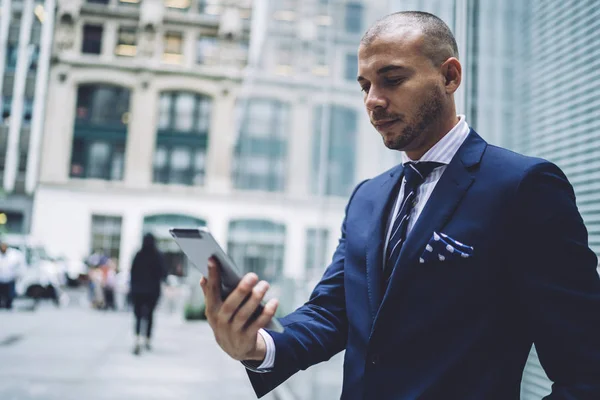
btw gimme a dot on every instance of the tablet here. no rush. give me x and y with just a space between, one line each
198 244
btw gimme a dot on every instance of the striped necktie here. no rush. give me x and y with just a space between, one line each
414 175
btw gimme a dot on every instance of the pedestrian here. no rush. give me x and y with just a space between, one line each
449 266
95 278
12 263
109 277
147 273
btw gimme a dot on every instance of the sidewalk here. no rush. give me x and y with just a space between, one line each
78 353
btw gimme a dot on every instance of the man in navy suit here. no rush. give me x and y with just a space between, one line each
449 266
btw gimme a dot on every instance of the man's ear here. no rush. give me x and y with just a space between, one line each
452 72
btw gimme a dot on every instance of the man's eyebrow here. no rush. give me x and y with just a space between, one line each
389 68
383 70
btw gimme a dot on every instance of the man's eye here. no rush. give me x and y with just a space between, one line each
394 82
364 89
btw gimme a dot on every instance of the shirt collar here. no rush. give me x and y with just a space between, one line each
444 150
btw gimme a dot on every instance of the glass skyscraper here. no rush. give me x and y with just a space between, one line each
25 41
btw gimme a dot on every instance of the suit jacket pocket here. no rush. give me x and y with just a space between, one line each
442 248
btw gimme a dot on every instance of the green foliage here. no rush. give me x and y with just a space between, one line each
194 313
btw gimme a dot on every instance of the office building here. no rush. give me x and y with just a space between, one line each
185 113
26 28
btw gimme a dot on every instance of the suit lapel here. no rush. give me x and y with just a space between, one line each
449 191
384 201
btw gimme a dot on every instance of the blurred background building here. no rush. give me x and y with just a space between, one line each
558 112
24 60
150 90
174 115
126 116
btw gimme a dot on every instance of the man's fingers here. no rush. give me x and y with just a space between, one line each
212 286
240 319
266 316
214 273
237 297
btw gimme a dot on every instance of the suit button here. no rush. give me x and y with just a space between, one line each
375 359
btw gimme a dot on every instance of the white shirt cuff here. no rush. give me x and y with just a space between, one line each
269 360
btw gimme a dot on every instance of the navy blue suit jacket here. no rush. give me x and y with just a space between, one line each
462 328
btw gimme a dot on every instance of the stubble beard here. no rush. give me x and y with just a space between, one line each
413 133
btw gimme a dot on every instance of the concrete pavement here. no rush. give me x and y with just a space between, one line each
76 353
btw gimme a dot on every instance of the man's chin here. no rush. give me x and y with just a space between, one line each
396 143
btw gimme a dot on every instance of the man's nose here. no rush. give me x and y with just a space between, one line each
375 100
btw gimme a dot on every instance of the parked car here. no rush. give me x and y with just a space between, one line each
41 277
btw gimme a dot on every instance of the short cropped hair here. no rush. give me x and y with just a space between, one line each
440 43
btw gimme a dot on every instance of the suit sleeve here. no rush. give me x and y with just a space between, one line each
314 332
558 283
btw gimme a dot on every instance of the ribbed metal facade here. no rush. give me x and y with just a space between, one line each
560 114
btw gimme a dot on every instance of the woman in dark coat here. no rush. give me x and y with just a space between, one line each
147 272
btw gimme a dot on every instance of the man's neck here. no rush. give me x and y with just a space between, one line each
444 129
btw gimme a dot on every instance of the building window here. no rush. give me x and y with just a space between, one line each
12 53
102 105
285 57
258 246
184 165
182 138
98 1
11 222
354 16
173 48
130 2
185 112
261 151
106 236
126 41
100 132
27 110
179 5
316 251
34 56
6 105
206 50
92 39
209 7
351 70
337 174
321 66
287 6
14 28
3 145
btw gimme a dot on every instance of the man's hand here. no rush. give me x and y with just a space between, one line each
229 319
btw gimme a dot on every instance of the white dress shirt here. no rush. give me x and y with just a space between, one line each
442 152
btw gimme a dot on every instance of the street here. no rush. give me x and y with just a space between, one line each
74 353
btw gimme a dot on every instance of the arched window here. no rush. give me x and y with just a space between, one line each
258 246
261 151
337 173
100 132
182 138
